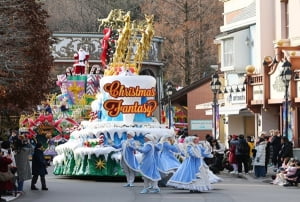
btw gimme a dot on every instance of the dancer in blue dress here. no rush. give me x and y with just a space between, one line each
191 174
167 161
157 150
212 177
148 166
128 162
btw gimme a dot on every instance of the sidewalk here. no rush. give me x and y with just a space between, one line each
251 177
11 197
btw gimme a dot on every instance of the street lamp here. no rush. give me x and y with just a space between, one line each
286 76
215 87
169 92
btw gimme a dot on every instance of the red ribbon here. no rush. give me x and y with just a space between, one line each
107 33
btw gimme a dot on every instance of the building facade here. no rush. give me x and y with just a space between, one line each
267 93
261 47
199 122
238 48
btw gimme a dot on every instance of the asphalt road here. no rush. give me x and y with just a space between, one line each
232 189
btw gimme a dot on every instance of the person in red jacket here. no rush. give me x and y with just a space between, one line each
232 154
4 166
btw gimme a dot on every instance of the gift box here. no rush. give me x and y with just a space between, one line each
76 90
93 84
61 82
77 78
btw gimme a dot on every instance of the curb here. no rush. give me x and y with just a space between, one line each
251 177
11 198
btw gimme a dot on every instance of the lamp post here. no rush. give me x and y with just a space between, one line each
215 87
286 76
169 92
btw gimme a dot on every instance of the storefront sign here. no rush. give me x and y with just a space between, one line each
258 92
201 124
277 88
238 98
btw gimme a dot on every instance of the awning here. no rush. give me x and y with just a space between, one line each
229 110
208 105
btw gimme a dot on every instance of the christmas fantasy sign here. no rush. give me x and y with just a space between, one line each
116 106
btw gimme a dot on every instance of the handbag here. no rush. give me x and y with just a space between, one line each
13 170
6 176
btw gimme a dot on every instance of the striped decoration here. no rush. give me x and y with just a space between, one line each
90 86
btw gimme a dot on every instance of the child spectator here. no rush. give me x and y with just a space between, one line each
284 173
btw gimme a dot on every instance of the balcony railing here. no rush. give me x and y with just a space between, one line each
256 80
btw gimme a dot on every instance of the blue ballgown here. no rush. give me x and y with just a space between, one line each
157 150
192 174
167 161
128 153
148 165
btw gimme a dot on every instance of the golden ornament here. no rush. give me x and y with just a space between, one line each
100 164
250 69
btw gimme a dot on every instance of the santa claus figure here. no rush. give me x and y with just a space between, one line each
81 61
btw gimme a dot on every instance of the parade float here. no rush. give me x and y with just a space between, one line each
116 100
46 127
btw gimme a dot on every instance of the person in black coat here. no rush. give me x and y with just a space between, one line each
39 167
268 152
286 151
276 146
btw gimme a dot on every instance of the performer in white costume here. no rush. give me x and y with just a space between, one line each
148 166
167 161
192 174
129 162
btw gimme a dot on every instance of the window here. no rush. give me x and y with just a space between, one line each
228 52
287 19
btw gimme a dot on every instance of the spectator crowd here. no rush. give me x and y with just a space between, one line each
15 167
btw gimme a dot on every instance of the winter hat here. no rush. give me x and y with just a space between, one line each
189 139
166 137
131 133
5 145
150 137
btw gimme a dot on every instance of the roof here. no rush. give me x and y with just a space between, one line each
180 97
94 34
245 13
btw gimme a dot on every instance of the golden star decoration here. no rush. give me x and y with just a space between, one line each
100 164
